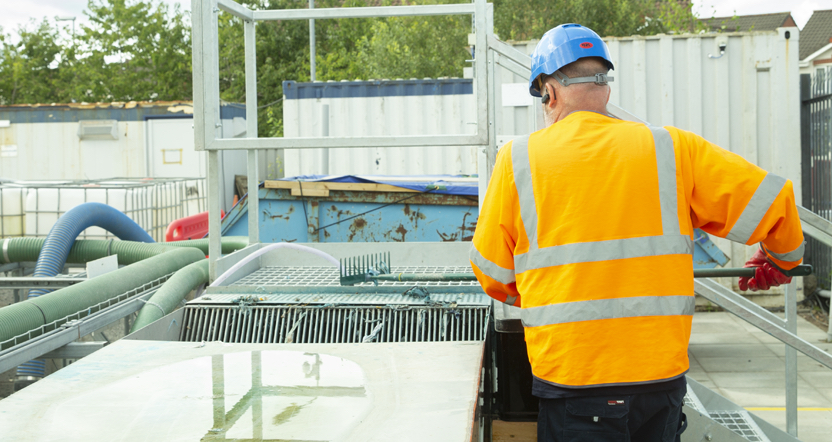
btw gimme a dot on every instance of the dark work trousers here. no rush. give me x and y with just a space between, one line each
644 417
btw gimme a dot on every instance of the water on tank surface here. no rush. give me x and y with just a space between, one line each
270 395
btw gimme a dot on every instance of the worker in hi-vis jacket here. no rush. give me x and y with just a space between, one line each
587 226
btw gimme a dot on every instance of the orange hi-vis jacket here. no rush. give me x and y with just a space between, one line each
587 225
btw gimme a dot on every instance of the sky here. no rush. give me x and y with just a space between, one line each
20 12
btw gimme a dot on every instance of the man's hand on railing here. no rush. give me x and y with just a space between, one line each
766 275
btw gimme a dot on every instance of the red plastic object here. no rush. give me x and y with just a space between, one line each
190 227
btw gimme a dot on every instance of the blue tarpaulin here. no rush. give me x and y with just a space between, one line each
442 184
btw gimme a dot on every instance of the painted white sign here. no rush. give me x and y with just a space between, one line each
8 150
516 94
5 123
102 266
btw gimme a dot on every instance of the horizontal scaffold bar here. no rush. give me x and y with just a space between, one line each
333 142
364 12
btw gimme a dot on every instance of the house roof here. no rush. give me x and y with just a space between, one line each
816 34
745 23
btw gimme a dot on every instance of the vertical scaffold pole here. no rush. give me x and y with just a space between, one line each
251 132
791 359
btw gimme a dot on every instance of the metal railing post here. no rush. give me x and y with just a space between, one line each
791 359
207 123
481 78
491 77
214 207
251 131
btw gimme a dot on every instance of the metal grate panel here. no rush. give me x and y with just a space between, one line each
692 401
740 422
476 299
328 277
333 324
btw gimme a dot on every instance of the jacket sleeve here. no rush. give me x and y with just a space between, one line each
734 199
492 251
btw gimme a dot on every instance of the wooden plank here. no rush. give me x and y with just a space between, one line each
354 187
502 431
310 192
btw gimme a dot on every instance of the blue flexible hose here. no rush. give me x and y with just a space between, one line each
59 241
62 236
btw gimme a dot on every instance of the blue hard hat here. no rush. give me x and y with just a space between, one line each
563 45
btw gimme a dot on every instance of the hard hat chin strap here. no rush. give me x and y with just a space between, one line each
599 79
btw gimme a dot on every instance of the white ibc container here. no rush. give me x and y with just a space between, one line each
45 205
152 204
193 197
11 211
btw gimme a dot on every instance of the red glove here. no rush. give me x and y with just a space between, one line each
766 275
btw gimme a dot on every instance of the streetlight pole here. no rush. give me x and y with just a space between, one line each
312 43
68 18
72 19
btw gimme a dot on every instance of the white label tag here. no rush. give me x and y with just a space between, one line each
102 266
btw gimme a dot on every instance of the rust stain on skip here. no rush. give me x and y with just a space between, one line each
357 225
401 231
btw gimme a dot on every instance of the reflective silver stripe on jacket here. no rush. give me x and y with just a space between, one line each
671 242
493 271
607 309
666 168
756 208
510 300
794 255
521 166
603 251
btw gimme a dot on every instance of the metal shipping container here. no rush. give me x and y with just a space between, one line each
94 141
380 107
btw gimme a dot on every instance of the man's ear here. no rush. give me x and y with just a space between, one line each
550 91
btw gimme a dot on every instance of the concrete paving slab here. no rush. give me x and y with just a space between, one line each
734 350
769 396
817 379
747 366
827 392
741 337
743 380
812 425
806 364
741 364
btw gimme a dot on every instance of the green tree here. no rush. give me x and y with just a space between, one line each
415 47
530 19
346 49
29 68
141 49
133 50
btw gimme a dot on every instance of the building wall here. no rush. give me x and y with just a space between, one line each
53 151
153 139
822 62
369 108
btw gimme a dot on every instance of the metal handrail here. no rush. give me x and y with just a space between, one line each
57 333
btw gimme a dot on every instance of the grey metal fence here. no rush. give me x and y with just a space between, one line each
816 143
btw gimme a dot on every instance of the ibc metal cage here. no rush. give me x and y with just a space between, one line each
31 208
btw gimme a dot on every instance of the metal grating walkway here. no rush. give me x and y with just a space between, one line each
329 277
738 421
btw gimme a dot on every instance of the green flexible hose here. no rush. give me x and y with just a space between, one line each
129 252
25 316
172 292
145 263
